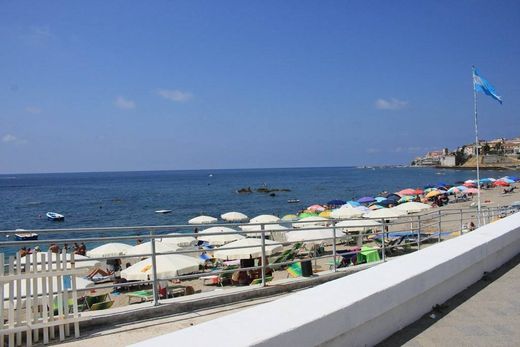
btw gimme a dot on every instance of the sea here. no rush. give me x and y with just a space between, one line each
131 198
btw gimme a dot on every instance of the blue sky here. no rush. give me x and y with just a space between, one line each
128 85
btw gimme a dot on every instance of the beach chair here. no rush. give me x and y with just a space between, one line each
67 307
142 295
92 300
259 280
294 270
102 305
225 278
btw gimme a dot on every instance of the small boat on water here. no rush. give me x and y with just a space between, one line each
163 211
22 235
55 216
293 201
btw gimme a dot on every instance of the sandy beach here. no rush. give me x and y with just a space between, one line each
451 227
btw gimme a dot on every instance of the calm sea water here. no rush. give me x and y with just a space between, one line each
130 198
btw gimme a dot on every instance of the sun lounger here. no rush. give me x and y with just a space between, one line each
259 280
102 305
142 295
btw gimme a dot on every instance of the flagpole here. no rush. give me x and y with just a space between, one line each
476 146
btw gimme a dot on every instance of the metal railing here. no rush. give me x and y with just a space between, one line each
413 231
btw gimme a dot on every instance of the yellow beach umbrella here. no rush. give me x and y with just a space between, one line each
433 193
325 214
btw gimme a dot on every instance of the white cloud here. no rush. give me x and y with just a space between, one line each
33 109
124 104
175 95
10 138
390 104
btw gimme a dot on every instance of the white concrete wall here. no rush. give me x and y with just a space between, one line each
366 307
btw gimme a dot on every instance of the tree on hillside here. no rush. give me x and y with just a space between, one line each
460 156
499 147
485 149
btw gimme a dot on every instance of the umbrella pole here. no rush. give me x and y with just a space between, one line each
263 254
476 147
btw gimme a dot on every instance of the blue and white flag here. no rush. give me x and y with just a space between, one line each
482 85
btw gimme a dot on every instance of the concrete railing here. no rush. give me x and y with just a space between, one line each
368 306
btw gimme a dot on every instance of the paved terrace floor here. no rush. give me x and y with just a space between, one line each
485 314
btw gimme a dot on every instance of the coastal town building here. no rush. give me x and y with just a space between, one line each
498 152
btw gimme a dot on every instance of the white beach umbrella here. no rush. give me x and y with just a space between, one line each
160 247
311 222
346 212
384 213
167 266
234 217
182 241
219 238
357 224
265 218
412 207
310 235
267 227
253 250
112 249
203 220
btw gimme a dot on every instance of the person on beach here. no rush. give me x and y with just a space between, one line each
471 226
23 252
54 248
82 249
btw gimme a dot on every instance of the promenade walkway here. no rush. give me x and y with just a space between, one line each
485 314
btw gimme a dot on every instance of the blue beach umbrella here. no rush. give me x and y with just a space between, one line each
380 198
353 203
366 199
393 196
336 203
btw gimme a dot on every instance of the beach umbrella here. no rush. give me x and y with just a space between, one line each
203 220
309 222
407 198
160 247
112 249
454 190
325 214
336 202
412 207
388 202
366 200
357 225
471 191
310 235
407 191
234 217
380 198
253 250
507 180
181 240
289 217
316 208
500 183
307 214
265 218
267 227
353 203
419 191
167 266
363 209
375 207
385 213
433 193
393 196
221 237
461 188
427 190
346 212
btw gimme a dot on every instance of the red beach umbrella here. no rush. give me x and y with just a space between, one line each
500 184
407 191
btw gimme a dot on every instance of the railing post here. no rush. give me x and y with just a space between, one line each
440 226
264 258
334 245
461 222
154 272
383 255
418 232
